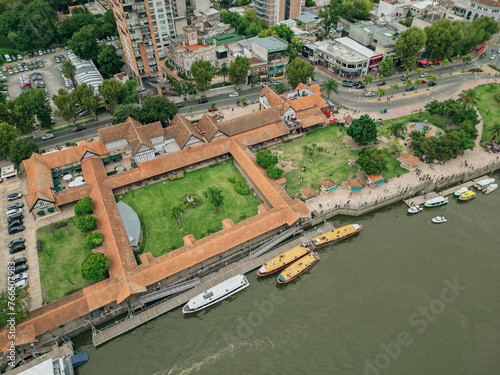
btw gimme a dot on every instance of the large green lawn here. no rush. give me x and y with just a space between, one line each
60 261
488 107
152 203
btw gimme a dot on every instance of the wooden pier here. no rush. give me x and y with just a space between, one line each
240 267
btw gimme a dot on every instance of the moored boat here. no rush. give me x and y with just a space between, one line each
298 268
484 183
414 209
460 191
336 235
467 196
216 294
283 260
434 202
439 219
490 188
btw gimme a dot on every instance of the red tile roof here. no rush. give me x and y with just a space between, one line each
410 159
308 192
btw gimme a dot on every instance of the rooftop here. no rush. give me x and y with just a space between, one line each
307 16
225 38
358 47
271 42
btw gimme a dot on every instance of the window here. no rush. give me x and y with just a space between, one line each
163 22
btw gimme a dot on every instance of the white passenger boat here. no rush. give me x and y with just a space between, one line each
484 183
434 202
414 209
216 294
439 219
460 191
490 188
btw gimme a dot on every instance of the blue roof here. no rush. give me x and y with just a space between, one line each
131 222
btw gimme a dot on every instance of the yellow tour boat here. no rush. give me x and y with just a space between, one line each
336 235
467 196
283 260
298 268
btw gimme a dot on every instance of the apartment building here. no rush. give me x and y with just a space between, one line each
274 11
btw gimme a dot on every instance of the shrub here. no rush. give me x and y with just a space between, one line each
241 190
93 240
111 173
84 206
274 172
93 266
87 223
265 158
177 177
231 180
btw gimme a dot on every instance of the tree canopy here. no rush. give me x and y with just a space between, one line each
363 130
86 223
238 70
202 73
84 44
66 105
109 62
21 149
409 45
84 206
93 266
443 39
8 134
265 158
93 240
372 160
299 71
274 172
158 108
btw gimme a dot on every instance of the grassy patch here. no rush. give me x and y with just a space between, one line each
437 120
393 167
60 261
322 163
152 203
488 107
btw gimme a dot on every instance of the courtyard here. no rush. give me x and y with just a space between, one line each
152 203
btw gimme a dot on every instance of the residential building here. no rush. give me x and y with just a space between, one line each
400 7
275 11
379 38
457 7
308 20
483 8
272 50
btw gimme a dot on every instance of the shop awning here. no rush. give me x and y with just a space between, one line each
56 174
134 165
67 170
105 160
116 157
56 181
58 188
77 167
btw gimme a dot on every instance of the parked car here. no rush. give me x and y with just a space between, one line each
14 211
210 109
21 284
347 84
493 57
15 217
202 100
21 268
30 55
360 86
14 196
20 276
13 57
370 93
78 128
19 57
14 230
15 205
424 75
16 242
411 88
404 78
17 248
179 105
234 95
141 89
47 136
424 81
15 223
381 83
432 84
19 261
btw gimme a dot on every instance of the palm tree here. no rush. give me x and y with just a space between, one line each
380 92
380 77
68 69
408 82
418 82
368 79
420 71
495 130
330 86
431 67
394 87
176 212
432 78
223 70
468 97
457 57
191 110
213 107
214 196
445 62
467 59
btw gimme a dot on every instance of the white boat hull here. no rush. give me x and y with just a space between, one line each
414 209
484 183
490 189
439 219
461 191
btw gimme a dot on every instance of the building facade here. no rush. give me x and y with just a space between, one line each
483 8
274 11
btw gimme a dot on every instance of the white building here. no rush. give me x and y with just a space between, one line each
483 8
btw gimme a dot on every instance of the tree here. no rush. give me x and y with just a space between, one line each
109 62
93 266
331 14
468 98
432 78
265 158
372 160
363 130
368 79
395 147
8 135
84 206
215 197
158 108
397 128
445 62
420 71
274 172
129 91
86 223
449 146
494 130
15 300
250 14
443 38
418 82
123 111
66 108
68 69
394 87
111 90
466 60
93 240
409 45
84 44
466 141
387 65
84 95
331 85
21 149
238 70
224 71
380 92
191 110
299 71
202 73
176 211
280 88
35 103
408 82
18 116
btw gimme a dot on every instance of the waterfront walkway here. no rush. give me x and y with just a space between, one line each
240 267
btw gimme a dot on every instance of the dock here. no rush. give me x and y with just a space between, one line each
245 265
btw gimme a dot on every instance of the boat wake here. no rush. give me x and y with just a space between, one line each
210 359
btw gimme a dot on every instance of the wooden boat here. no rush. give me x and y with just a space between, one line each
460 191
414 209
490 188
298 268
283 260
439 219
434 202
336 235
467 196
484 183
216 294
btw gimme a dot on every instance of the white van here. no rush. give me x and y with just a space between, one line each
7 57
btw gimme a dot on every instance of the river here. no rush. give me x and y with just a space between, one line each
404 296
